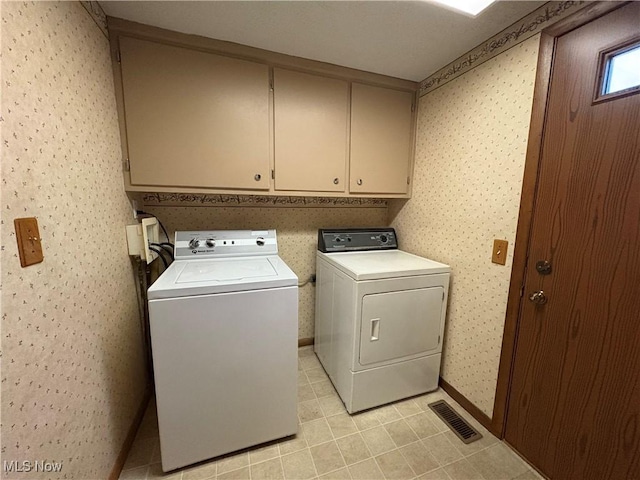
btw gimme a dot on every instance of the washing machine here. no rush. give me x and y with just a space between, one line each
380 316
224 337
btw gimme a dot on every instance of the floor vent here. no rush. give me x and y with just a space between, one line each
459 425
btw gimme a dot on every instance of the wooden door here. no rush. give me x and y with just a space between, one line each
381 140
574 404
311 127
195 119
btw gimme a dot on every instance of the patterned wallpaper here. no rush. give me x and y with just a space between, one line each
72 370
297 230
526 27
470 152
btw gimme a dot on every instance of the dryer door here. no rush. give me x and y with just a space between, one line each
396 325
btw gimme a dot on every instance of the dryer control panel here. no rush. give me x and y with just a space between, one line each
356 239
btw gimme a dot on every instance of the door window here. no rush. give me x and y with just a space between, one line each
619 72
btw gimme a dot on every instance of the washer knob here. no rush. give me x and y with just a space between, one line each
260 241
210 242
383 238
194 243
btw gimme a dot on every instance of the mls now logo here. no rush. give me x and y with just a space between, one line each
29 466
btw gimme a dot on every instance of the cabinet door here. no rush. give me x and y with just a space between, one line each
310 132
381 136
194 119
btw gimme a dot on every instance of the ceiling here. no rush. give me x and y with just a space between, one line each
404 39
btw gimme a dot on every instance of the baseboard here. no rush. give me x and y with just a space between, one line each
131 435
475 412
304 342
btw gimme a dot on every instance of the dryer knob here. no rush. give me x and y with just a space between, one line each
210 242
194 243
260 241
383 238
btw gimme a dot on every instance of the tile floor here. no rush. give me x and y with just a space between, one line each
404 440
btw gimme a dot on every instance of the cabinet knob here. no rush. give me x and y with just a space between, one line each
336 181
257 177
359 182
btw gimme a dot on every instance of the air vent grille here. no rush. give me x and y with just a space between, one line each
459 425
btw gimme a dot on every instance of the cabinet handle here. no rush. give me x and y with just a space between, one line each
359 182
336 181
257 177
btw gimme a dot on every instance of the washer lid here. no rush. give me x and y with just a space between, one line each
225 270
376 265
221 275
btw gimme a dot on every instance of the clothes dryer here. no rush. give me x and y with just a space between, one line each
380 315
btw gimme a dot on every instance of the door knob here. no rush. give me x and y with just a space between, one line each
539 298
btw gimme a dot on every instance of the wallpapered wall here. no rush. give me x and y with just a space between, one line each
470 152
297 230
72 369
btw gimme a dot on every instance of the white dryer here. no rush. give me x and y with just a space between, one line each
380 316
224 337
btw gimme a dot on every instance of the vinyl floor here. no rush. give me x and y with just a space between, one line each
401 441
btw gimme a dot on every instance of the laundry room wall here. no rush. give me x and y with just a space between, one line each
470 153
297 228
72 367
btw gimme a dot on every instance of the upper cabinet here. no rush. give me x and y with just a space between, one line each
199 115
381 140
311 125
194 119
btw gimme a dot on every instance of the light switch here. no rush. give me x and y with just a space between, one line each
29 241
499 255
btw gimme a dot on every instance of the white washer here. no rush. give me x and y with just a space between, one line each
380 316
224 337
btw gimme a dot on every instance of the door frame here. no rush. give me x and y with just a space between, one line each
546 56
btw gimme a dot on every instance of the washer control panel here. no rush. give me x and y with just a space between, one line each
356 239
225 243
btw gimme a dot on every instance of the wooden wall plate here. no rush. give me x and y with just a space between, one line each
29 241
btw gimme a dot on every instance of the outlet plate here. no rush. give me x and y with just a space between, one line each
139 237
134 240
499 254
150 234
134 206
29 241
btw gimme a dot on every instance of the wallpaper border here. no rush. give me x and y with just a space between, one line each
184 200
96 12
546 15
